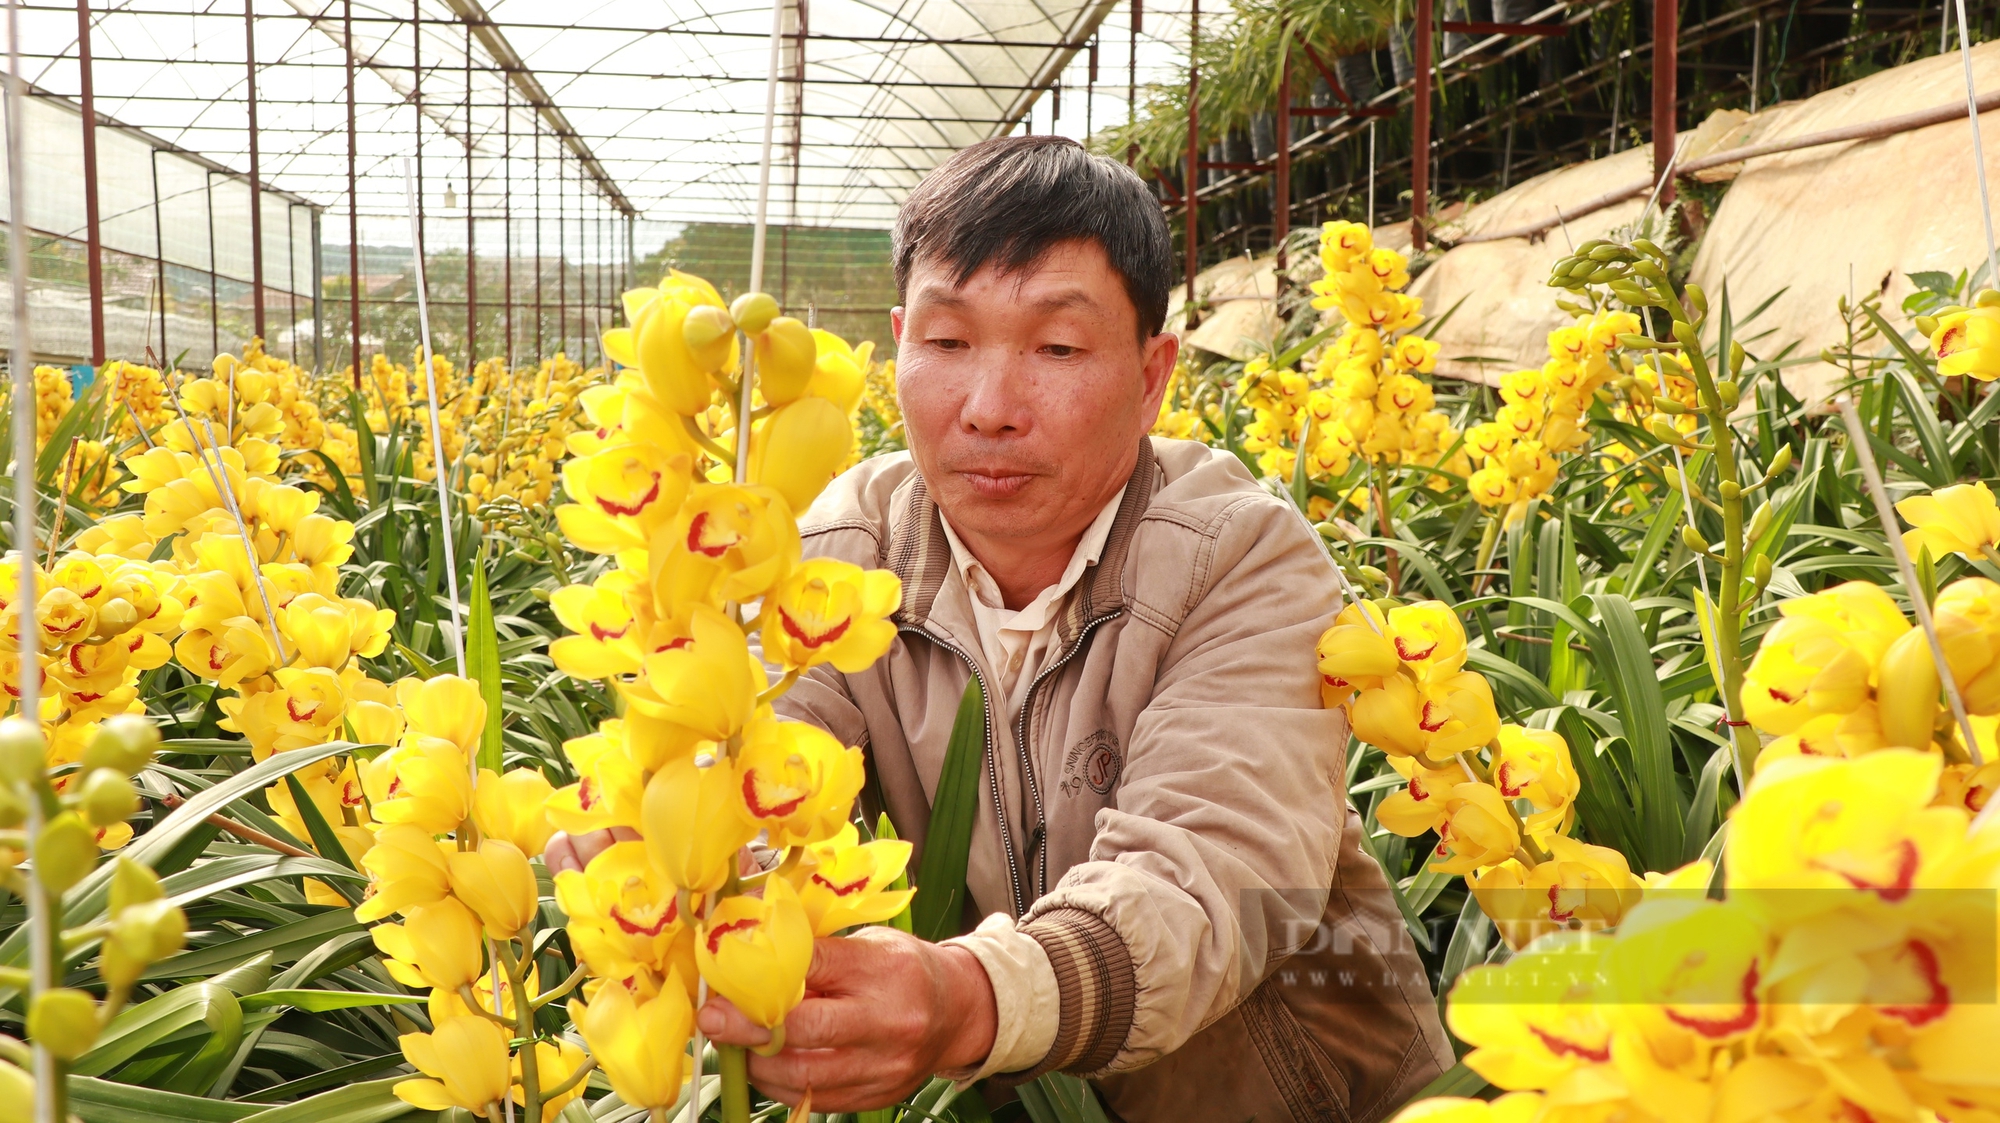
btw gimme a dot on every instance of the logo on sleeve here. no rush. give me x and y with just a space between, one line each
1093 763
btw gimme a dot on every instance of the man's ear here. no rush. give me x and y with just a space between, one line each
896 324
1157 356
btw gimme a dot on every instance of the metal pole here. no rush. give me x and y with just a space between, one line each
540 265
1666 68
1132 85
1193 185
93 241
214 274
507 213
48 1098
353 217
1371 174
1282 188
471 225
1420 112
562 260
417 101
256 180
439 463
159 253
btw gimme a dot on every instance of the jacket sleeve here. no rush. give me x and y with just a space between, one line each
1216 861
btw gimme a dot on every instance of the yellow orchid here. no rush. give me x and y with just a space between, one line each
1429 639
708 685
787 353
695 822
828 611
673 373
1538 1020
496 883
840 373
511 806
609 787
798 781
1535 765
755 952
1807 666
799 448
437 945
1580 888
421 781
555 1063
641 1046
1514 1107
623 493
606 643
1353 656
1421 806
1960 519
320 630
446 706
624 916
408 868
843 882
1477 830
1967 614
466 1061
1967 342
1434 720
729 543
1694 964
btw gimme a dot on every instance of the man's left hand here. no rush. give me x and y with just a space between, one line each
883 1011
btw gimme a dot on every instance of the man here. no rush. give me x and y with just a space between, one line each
1175 900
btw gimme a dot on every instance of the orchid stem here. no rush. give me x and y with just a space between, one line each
733 1065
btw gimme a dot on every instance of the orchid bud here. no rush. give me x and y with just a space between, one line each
23 753
124 743
754 311
63 1021
108 797
65 852
1692 539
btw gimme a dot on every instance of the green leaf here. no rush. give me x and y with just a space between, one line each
323 839
941 875
285 942
320 1001
1627 660
107 1101
1058 1097
204 1017
372 1101
482 662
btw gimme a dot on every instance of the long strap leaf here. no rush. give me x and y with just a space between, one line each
482 658
941 875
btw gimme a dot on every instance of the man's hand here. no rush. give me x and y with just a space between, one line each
574 851
883 1011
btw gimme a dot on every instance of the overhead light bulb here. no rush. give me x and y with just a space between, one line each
450 198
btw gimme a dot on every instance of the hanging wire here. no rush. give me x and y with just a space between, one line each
1978 150
440 467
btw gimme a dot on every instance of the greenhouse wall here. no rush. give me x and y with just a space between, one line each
178 273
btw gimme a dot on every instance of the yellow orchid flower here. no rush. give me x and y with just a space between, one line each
1686 964
1967 342
320 630
708 685
755 952
1353 657
511 806
798 781
606 643
495 882
828 611
1960 519
641 1046
623 493
554 1063
843 882
840 373
408 870
695 822
1434 720
673 373
447 707
1429 639
799 448
1477 830
466 1062
609 787
1514 1107
1421 806
729 543
1541 1018
787 353
437 945
421 781
1580 888
1806 667
624 916
1967 613
1535 765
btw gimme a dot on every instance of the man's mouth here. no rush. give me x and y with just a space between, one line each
995 483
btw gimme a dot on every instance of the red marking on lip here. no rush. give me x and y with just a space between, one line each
1501 778
586 793
841 890
813 639
86 698
304 717
350 794
1433 718
1410 654
1899 884
93 591
1724 1027
75 656
1938 1003
633 928
636 506
697 543
602 634
1562 1046
215 664
776 811
1780 696
716 933
1556 911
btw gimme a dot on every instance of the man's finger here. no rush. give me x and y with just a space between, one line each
840 1079
826 1023
726 1025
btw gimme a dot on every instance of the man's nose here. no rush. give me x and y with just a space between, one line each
999 400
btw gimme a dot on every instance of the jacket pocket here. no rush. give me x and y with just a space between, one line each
1314 1091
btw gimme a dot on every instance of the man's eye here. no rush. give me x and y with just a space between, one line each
1058 350
948 344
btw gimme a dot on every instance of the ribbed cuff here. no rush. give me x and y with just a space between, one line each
1098 989
1025 1000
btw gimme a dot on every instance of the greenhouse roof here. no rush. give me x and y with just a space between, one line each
658 108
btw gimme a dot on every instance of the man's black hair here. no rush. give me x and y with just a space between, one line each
1009 200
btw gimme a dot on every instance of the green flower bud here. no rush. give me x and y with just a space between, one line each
1671 476
1663 430
1632 294
1987 298
1607 252
13 809
1646 246
1736 357
124 743
1760 571
108 797
1697 299
707 331
132 884
63 1021
1780 461
1692 539
65 851
1760 521
1668 405
754 311
23 754
140 936
1927 325
1729 392
1730 490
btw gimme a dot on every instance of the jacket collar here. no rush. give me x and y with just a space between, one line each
917 552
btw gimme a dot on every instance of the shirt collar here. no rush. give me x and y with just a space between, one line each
986 591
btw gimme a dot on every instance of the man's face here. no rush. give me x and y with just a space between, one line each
1025 394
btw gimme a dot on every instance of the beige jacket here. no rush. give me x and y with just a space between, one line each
1172 828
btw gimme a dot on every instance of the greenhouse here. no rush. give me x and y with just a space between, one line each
1351 561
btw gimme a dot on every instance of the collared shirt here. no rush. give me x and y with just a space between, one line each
1014 644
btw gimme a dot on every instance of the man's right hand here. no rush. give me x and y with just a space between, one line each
574 851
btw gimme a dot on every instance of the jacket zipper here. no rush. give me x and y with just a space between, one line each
992 770
1038 838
